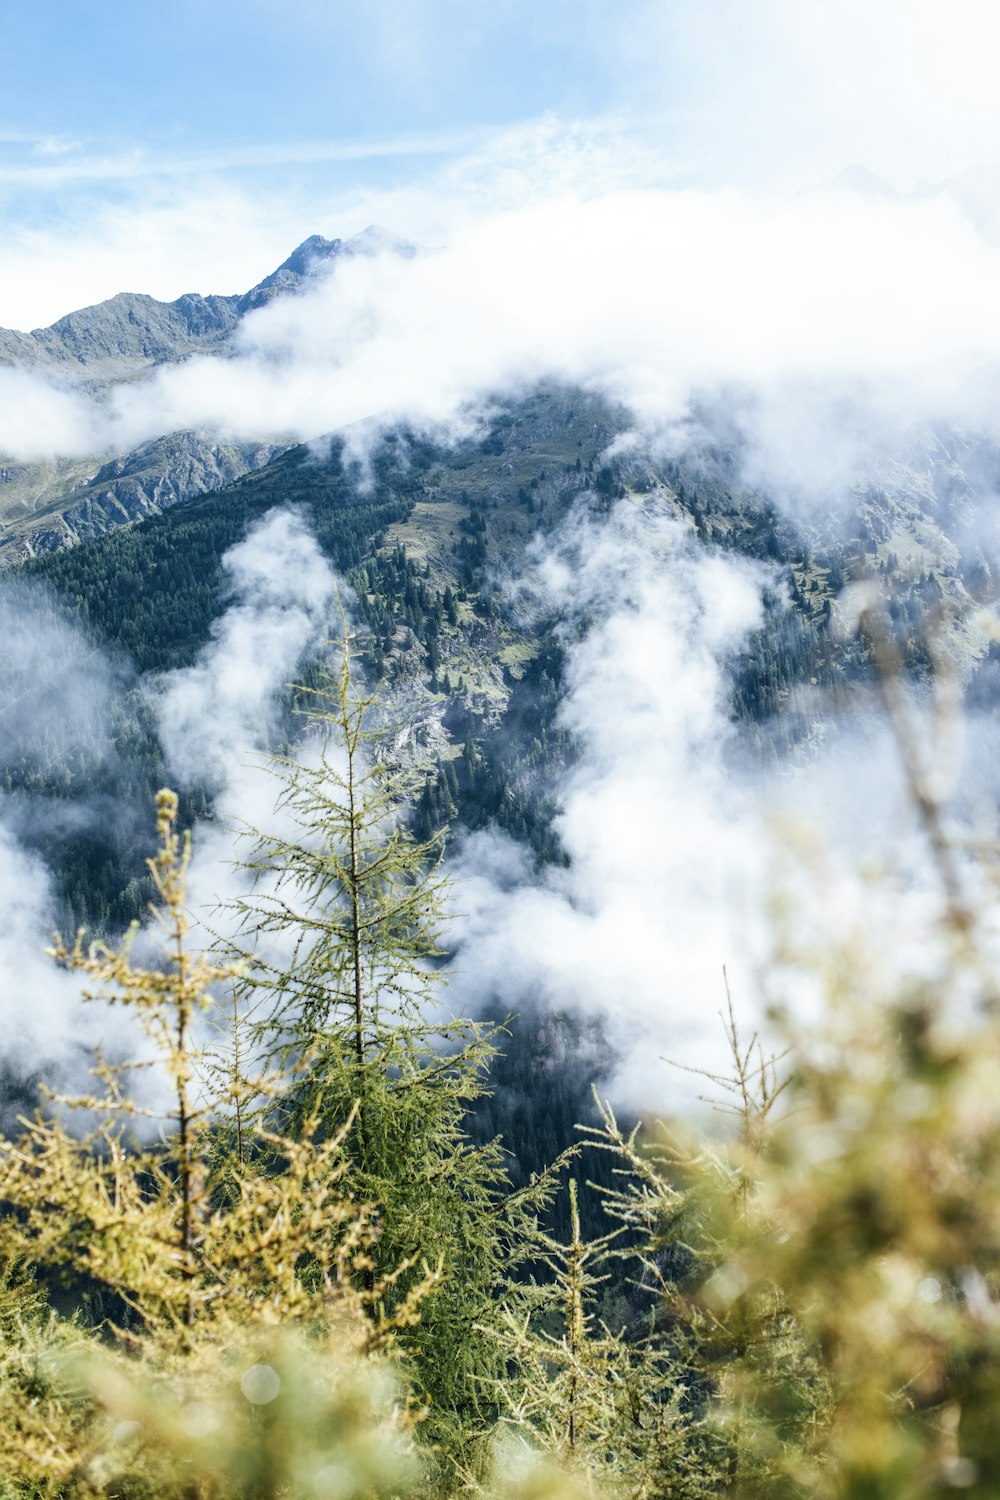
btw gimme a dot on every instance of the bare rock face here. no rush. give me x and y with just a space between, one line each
311 256
142 483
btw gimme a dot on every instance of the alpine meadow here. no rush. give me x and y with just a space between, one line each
499 744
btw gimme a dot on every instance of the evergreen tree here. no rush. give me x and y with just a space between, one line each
690 1206
195 1279
343 926
611 1404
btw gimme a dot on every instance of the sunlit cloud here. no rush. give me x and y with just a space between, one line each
826 322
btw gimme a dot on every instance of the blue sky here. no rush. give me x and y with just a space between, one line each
101 92
183 146
186 75
164 126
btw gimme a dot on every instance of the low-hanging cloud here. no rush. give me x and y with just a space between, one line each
838 315
680 847
56 687
216 719
57 690
46 1026
219 717
636 926
217 714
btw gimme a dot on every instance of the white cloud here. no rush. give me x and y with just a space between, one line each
835 319
43 1014
683 854
218 717
216 721
662 845
40 418
790 92
55 701
219 714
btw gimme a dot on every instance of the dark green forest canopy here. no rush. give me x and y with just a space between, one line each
153 588
422 533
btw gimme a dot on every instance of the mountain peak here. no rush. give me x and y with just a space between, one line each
371 241
130 332
302 260
315 251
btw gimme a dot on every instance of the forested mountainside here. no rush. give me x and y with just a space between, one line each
639 1338
536 1313
428 543
430 540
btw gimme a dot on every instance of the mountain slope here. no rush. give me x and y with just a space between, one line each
473 685
57 503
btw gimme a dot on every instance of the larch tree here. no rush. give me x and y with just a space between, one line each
342 923
197 1284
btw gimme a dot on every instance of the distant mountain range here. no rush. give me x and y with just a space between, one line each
129 334
57 502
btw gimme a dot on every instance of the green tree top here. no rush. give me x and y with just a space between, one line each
343 922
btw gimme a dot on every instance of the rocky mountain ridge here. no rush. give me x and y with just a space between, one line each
56 503
129 334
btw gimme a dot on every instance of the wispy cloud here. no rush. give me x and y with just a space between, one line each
665 848
75 162
789 92
220 229
684 854
220 713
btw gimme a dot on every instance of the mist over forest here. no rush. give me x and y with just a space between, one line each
498 752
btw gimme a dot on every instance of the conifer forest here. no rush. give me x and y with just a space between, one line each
499 744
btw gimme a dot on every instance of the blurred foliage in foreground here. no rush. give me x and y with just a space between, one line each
270 1294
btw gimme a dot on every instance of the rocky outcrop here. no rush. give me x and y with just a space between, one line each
141 483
